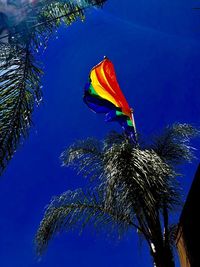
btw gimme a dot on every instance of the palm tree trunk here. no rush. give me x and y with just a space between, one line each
163 257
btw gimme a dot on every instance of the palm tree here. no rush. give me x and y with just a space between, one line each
129 187
20 73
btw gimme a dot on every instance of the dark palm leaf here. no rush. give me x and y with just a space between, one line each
173 234
20 74
139 175
76 209
47 16
173 144
86 157
19 88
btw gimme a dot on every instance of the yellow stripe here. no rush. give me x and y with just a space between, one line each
100 90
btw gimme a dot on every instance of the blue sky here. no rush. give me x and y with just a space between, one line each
155 47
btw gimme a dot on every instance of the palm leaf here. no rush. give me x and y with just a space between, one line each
86 157
19 88
173 145
46 17
20 74
76 209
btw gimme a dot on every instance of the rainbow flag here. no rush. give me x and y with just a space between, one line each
102 94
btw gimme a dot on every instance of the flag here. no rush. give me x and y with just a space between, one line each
102 94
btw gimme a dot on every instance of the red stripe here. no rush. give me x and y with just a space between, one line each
110 74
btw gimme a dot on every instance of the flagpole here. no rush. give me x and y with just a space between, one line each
134 126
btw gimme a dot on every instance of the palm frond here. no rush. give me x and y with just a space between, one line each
85 157
20 74
50 17
173 145
76 209
19 88
142 173
173 234
46 16
53 14
114 138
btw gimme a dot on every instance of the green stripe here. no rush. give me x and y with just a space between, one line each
129 122
92 90
120 113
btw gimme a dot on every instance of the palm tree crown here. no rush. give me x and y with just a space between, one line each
129 187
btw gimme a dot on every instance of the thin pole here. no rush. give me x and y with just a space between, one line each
134 126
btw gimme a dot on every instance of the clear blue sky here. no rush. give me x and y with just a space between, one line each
155 47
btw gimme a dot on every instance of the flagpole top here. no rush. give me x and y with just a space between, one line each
131 109
105 57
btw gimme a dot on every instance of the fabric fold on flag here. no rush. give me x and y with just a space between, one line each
102 94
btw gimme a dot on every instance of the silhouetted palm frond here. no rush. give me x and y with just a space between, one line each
76 209
86 157
20 74
19 88
137 177
173 234
173 144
